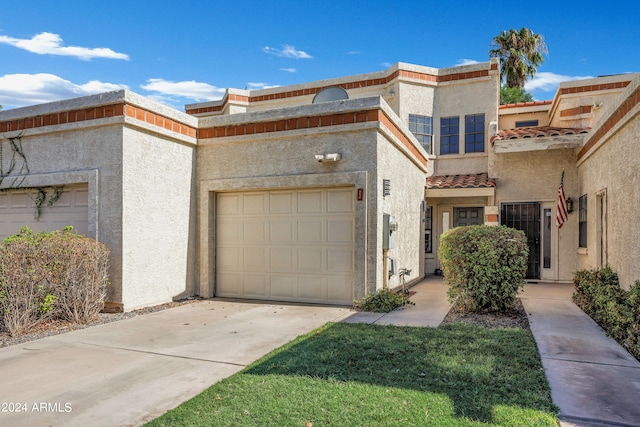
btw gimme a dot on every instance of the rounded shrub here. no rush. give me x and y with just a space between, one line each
484 266
51 275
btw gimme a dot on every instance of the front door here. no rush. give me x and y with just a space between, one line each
467 216
526 217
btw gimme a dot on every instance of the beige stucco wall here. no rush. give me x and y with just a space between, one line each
405 203
509 117
612 170
158 219
286 160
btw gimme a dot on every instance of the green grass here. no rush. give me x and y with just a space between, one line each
369 375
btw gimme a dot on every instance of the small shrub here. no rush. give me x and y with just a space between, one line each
24 286
484 266
383 301
50 275
617 311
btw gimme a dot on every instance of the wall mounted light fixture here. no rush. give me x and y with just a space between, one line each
569 205
333 157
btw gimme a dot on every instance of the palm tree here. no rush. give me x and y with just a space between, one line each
520 53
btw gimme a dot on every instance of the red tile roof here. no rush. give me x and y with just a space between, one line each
525 104
536 132
480 180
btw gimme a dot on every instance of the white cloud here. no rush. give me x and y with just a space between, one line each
466 61
288 70
191 89
257 86
51 44
548 82
354 52
287 51
18 90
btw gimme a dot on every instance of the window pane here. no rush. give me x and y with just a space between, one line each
449 132
582 221
421 127
474 133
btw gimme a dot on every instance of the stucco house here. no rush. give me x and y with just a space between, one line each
326 191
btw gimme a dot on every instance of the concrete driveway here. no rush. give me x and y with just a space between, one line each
129 372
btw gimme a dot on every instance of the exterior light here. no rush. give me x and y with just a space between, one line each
569 205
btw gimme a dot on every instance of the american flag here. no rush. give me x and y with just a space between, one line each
561 208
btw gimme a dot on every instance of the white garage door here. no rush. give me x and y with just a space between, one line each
294 245
17 209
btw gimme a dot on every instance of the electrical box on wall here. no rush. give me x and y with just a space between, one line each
389 227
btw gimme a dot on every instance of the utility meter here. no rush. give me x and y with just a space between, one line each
389 227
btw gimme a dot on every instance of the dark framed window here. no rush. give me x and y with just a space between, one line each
422 129
526 123
582 221
474 133
428 240
449 135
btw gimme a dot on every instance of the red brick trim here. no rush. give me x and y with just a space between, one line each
346 86
586 88
492 218
591 88
160 121
62 117
583 109
625 107
100 112
524 104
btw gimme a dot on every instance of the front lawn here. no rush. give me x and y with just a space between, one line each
370 375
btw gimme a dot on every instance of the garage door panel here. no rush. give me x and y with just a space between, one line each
312 288
229 258
282 230
255 286
229 204
340 201
281 259
254 204
254 231
340 288
310 202
17 209
293 244
340 230
281 203
340 260
254 259
311 230
311 260
284 287
230 284
229 230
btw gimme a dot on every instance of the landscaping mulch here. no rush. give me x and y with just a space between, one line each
516 317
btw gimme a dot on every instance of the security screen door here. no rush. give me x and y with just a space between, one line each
526 217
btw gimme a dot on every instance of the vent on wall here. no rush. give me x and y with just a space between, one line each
333 93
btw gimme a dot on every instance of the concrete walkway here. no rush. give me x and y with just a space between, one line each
594 381
430 309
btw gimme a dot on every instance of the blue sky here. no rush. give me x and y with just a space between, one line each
181 52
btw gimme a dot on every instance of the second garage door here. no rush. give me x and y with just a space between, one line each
290 245
17 209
